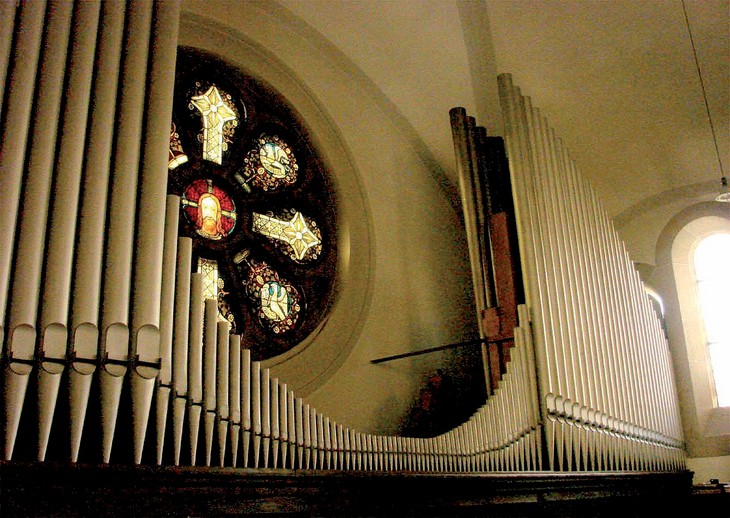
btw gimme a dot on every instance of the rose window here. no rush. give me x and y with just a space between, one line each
256 201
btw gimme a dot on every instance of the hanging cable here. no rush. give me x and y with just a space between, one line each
724 195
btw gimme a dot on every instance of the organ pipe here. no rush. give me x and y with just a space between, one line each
90 231
21 78
601 359
587 385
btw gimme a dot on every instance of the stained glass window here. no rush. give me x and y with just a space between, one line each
213 285
209 209
277 300
209 269
270 164
218 119
298 235
177 155
257 201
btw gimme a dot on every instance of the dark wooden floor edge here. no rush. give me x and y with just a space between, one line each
112 490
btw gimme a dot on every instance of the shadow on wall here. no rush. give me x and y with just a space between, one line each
449 396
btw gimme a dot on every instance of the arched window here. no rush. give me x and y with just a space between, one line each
257 202
706 425
712 274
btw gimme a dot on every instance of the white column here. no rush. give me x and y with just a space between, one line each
234 379
256 411
266 414
182 332
8 11
246 403
284 422
465 166
307 435
275 415
300 432
149 240
222 389
293 433
210 354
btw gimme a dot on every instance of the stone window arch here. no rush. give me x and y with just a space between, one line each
706 426
313 360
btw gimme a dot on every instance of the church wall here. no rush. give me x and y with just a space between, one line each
405 275
708 468
640 226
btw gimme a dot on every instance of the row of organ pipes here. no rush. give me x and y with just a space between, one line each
97 293
208 385
606 388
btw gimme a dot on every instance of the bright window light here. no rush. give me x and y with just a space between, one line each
712 271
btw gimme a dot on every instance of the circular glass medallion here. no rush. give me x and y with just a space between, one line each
209 209
271 164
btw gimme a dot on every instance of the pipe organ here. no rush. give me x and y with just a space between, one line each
81 264
100 304
606 391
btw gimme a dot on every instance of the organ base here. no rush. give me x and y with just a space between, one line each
68 490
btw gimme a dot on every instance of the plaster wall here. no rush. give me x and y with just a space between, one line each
405 281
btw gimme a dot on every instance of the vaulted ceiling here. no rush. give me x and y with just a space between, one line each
617 79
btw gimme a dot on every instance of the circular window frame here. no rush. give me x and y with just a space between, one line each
309 364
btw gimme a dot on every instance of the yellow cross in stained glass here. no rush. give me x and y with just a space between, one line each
215 113
294 232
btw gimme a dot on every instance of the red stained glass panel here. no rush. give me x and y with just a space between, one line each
209 209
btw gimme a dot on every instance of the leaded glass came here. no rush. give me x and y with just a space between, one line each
209 270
